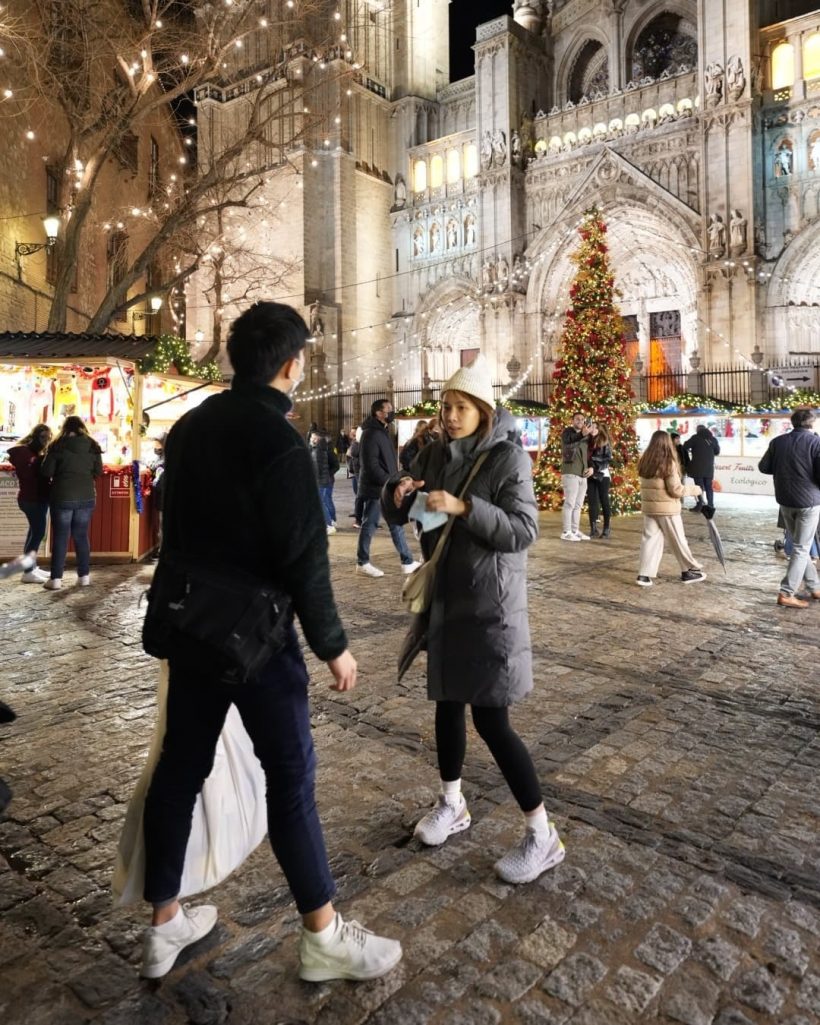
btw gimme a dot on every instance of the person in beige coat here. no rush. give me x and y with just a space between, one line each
662 491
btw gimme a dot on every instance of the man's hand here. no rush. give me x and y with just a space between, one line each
588 472
443 501
585 430
405 487
344 671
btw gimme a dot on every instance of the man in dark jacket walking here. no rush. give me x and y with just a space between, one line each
700 451
794 461
326 466
268 523
377 463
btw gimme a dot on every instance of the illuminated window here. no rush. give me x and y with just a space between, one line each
667 110
453 166
470 161
783 66
420 176
436 172
811 56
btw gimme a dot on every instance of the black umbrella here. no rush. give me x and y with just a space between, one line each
714 535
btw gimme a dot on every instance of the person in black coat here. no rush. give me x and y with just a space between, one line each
377 463
600 456
794 461
701 450
325 466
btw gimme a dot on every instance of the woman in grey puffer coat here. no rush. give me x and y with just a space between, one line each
478 637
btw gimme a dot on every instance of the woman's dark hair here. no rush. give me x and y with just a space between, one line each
74 425
602 437
263 339
802 418
660 457
36 438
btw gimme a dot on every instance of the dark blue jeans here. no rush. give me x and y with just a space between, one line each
74 519
707 494
37 514
276 714
371 509
326 494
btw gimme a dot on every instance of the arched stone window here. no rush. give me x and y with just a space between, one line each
783 66
470 160
663 45
590 72
436 172
453 166
811 56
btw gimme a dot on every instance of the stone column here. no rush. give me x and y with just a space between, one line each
638 381
694 379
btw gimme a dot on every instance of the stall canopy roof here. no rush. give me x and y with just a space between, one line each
57 345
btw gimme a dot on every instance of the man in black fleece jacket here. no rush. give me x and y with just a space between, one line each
240 489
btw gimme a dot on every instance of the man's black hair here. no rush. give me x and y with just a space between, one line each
802 418
263 339
377 406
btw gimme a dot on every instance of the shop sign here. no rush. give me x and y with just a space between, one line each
12 521
120 484
741 477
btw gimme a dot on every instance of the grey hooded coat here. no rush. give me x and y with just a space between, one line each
478 640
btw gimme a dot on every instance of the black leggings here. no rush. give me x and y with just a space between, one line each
506 747
598 498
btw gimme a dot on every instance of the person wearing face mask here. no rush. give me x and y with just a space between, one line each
32 499
478 637
269 524
377 463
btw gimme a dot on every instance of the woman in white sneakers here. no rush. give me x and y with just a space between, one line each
662 493
478 638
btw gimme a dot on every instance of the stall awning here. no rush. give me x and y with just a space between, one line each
55 345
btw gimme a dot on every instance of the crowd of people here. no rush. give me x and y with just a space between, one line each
467 484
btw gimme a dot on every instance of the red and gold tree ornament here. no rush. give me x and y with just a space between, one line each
592 376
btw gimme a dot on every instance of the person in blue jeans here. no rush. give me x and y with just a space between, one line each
377 463
72 464
325 466
32 499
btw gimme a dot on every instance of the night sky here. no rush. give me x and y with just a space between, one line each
464 16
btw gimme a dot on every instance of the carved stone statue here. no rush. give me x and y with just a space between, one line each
737 233
814 155
735 78
713 83
503 272
486 150
716 231
517 153
317 325
499 141
452 234
435 237
469 230
419 247
400 193
486 275
783 162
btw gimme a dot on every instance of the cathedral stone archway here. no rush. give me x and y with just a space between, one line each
793 298
448 322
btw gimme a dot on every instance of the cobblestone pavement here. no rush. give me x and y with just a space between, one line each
676 733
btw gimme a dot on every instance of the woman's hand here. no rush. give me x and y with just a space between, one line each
405 487
443 501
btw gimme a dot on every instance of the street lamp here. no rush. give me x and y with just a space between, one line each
51 224
155 303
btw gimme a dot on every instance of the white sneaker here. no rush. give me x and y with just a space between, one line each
353 952
162 944
34 576
84 581
331 529
369 570
580 536
568 536
53 584
444 820
532 856
411 567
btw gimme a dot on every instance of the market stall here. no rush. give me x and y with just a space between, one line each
46 377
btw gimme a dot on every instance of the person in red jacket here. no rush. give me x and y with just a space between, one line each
32 498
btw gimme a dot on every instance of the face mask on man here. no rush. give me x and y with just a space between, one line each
391 416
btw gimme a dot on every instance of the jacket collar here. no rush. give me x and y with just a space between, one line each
271 397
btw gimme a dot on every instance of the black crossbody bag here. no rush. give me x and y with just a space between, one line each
196 609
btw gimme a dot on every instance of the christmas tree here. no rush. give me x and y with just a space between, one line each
592 375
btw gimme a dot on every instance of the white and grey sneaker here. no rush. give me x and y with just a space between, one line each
369 570
444 820
532 856
409 567
34 576
162 944
580 536
352 952
567 535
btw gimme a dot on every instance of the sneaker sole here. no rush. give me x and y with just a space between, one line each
698 581
458 827
644 583
329 974
556 859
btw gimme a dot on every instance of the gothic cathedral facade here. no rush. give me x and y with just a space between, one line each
429 218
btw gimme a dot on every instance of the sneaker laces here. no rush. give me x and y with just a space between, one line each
355 932
442 810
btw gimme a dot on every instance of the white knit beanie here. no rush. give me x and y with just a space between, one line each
474 380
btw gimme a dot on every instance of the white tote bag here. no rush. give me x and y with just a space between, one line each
230 815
